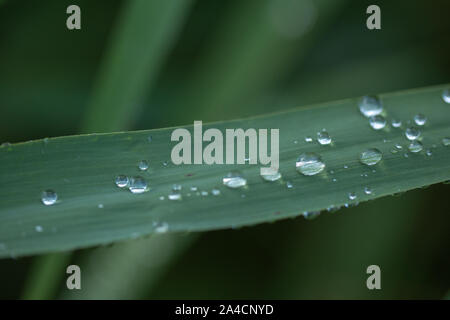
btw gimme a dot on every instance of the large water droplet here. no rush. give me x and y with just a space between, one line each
234 180
309 164
271 175
412 133
323 137
49 197
415 146
143 165
370 106
446 95
138 185
377 122
122 181
420 119
371 156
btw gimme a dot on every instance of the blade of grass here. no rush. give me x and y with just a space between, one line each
82 170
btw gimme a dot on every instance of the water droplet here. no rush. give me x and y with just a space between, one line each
271 175
100 206
308 139
406 155
429 153
446 95
194 189
398 146
175 195
289 185
446 141
352 195
138 185
176 187
295 141
333 208
309 164
38 228
165 163
345 166
149 138
334 180
323 137
143 165
122 181
371 157
204 193
394 151
412 133
215 192
420 119
370 106
311 215
161 198
377 122
396 123
49 197
367 190
234 180
161 227
415 146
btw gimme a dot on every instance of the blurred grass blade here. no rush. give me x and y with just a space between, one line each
143 37
82 170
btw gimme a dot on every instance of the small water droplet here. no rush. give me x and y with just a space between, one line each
138 185
122 181
398 146
161 227
394 151
446 95
161 198
309 164
323 137
334 180
165 163
215 192
38 228
345 166
204 193
367 190
295 141
412 133
415 146
352 195
176 187
149 138
429 153
175 195
234 180
271 175
310 215
446 141
308 139
370 106
371 156
406 155
289 185
143 165
100 206
194 188
396 123
377 122
420 119
49 197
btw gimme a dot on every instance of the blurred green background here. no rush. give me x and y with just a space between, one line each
152 63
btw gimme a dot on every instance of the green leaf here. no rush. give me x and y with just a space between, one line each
82 169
